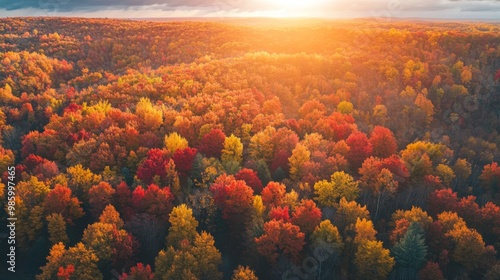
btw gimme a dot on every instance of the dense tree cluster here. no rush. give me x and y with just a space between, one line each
202 150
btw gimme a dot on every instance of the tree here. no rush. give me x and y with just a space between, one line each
151 116
123 200
157 202
364 231
326 233
207 256
83 260
233 150
372 261
100 196
182 226
469 246
360 149
410 253
416 214
490 178
280 214
99 238
345 107
300 155
138 272
183 159
307 216
174 142
280 239
57 229
446 173
176 264
59 200
383 142
154 165
212 143
431 271
442 200
342 185
348 213
273 194
251 179
110 216
262 145
243 273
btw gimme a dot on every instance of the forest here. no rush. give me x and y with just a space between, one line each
335 149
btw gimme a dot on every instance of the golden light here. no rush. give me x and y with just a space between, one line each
295 4
297 7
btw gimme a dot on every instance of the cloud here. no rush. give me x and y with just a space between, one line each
419 8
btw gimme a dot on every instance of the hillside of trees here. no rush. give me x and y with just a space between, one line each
353 149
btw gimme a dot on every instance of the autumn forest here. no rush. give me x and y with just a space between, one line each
312 149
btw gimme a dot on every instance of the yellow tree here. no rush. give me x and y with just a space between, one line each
326 233
372 261
152 117
233 150
261 144
80 180
182 225
83 260
175 264
110 216
342 185
364 231
300 155
99 238
243 273
469 246
174 142
207 256
57 228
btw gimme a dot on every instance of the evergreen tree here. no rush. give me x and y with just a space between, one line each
410 253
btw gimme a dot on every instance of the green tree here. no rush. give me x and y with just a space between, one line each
410 253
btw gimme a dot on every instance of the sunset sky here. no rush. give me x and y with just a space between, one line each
444 9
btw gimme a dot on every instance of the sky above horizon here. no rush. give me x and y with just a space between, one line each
438 9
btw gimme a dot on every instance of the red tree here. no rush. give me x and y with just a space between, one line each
251 179
100 196
183 159
307 216
273 194
124 200
442 200
280 214
280 238
159 202
360 149
153 165
233 197
64 273
383 142
59 200
212 143
138 272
